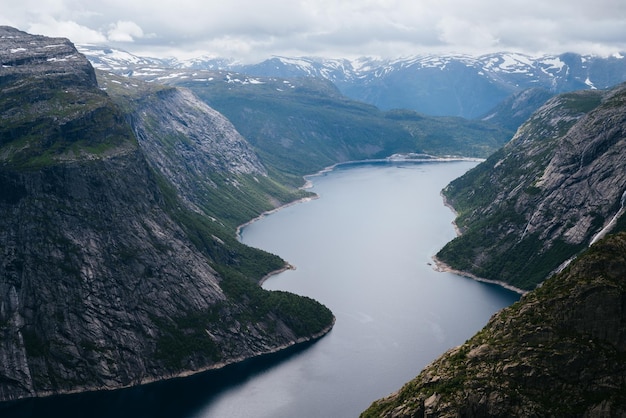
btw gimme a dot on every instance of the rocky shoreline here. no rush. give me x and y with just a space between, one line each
443 267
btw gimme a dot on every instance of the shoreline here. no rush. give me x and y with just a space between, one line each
286 267
395 158
438 265
269 212
454 212
302 340
442 267
182 374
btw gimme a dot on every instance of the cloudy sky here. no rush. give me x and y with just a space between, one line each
251 30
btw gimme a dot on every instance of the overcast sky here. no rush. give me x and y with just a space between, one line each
251 30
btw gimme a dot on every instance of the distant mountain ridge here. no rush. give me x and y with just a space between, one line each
441 85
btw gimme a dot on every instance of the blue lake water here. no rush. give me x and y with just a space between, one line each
363 249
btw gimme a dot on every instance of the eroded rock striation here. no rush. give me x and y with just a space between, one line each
198 150
546 195
107 277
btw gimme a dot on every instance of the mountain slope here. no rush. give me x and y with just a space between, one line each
513 111
214 169
300 126
441 85
108 278
559 351
543 197
451 85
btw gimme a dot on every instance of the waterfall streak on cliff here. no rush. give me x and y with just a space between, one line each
611 224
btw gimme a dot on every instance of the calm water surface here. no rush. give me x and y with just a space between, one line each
364 250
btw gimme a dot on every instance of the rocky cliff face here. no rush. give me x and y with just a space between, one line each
559 351
546 195
198 150
107 278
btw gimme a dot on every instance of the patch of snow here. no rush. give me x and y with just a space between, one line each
515 63
590 83
553 64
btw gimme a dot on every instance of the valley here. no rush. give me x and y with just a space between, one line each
122 188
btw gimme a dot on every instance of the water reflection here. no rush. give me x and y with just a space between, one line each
184 397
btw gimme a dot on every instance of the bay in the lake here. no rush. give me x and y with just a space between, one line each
364 250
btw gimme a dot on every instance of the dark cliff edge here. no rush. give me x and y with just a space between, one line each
546 195
559 351
110 276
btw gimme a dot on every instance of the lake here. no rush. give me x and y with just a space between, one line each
364 250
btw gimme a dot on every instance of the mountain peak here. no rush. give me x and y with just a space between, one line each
433 84
23 53
51 107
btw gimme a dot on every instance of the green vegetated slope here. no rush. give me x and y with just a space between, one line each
112 274
299 126
451 135
542 198
560 351
217 171
513 111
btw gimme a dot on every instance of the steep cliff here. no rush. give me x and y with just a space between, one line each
560 351
214 169
544 196
108 278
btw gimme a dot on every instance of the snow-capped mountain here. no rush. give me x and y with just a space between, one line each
455 85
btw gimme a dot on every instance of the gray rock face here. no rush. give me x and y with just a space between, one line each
55 58
106 278
90 262
191 144
546 194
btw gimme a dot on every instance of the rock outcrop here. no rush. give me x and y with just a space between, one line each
545 196
197 150
108 278
558 352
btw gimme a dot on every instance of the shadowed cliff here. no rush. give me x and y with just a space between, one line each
109 276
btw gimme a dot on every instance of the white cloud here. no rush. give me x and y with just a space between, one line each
66 29
464 34
253 29
124 31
